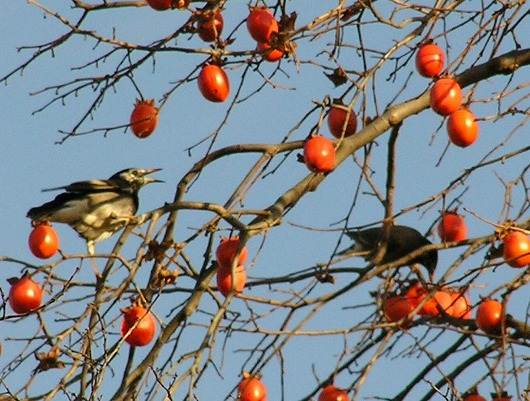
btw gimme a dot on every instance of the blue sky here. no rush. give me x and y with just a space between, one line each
32 160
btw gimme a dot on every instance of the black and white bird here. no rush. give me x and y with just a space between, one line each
96 209
402 241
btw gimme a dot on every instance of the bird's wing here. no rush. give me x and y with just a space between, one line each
63 209
72 207
408 239
86 186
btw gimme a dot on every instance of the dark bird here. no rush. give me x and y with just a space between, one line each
402 241
96 209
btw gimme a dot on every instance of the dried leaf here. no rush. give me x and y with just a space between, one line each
338 77
49 360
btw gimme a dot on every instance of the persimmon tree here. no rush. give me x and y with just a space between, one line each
307 317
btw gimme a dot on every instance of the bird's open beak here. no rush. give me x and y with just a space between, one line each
149 180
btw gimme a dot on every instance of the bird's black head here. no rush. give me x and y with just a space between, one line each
134 178
429 260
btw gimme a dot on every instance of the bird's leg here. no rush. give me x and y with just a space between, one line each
91 251
35 223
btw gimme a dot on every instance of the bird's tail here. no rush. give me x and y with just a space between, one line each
356 249
35 214
42 213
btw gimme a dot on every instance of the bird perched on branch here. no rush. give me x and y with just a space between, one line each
96 209
402 241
